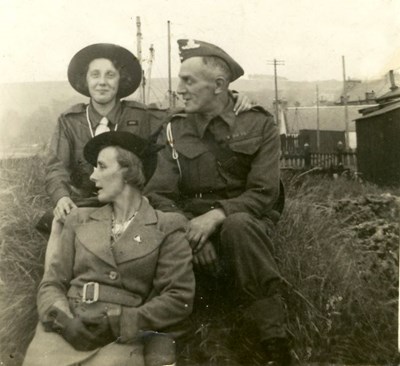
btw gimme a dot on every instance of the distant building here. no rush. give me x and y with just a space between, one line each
331 123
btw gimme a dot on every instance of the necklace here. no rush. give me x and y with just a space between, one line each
118 229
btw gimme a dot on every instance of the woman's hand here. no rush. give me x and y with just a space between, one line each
242 104
75 332
100 329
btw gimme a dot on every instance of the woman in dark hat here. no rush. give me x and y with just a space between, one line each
119 284
105 73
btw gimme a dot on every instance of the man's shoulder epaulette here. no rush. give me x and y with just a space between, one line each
133 104
155 107
177 114
258 108
76 108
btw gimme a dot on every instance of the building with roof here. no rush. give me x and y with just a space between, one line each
378 136
302 121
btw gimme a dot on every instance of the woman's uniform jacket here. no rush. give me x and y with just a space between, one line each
151 260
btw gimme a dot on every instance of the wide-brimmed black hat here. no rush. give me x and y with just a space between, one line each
124 60
146 151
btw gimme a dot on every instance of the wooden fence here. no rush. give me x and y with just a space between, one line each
308 160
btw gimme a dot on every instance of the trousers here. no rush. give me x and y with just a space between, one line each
247 274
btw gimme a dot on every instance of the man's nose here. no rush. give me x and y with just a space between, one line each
181 88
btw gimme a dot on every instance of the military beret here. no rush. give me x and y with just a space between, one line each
129 80
192 48
143 149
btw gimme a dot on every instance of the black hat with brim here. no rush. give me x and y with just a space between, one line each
121 57
143 149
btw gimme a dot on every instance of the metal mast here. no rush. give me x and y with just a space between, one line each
151 58
139 53
169 66
318 128
346 110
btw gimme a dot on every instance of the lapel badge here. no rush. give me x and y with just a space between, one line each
137 238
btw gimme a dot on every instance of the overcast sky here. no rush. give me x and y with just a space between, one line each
39 37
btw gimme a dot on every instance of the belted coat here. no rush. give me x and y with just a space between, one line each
151 260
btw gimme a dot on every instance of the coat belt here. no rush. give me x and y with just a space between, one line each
104 293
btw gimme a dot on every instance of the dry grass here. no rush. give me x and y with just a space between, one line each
21 253
342 306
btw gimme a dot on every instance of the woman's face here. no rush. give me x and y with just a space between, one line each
108 176
102 80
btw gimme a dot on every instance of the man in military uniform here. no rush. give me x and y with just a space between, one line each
222 172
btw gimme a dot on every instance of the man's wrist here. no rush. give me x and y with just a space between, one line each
218 215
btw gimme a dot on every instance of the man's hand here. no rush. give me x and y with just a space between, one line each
206 257
242 104
202 227
63 208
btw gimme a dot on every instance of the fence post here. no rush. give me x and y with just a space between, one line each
340 148
307 156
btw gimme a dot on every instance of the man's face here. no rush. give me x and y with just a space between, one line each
103 80
196 86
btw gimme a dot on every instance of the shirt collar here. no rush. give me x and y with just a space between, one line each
227 115
112 116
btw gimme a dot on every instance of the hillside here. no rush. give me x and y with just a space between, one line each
30 109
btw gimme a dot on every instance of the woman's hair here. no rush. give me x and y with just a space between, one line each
134 174
124 77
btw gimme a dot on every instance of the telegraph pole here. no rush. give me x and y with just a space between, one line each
276 63
318 128
346 110
169 66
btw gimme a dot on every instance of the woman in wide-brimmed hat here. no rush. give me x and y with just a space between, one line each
105 73
119 284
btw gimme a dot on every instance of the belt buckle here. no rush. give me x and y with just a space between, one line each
86 298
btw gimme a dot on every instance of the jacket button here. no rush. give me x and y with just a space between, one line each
113 275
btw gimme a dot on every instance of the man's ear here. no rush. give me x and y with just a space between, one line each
221 84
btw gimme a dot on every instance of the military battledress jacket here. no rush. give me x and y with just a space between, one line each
151 261
66 166
240 175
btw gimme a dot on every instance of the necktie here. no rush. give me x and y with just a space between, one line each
102 127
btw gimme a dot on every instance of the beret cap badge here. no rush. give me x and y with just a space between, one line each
191 43
194 48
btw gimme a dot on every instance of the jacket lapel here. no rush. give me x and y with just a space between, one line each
141 237
95 235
